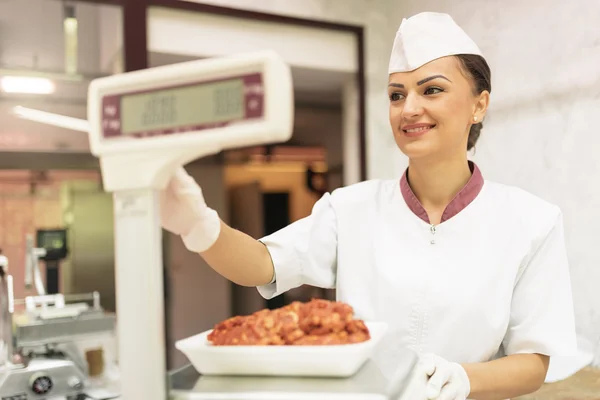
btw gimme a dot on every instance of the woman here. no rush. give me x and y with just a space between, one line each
471 274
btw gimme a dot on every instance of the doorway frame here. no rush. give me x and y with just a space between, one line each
135 43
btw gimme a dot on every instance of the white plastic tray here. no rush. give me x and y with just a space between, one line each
307 361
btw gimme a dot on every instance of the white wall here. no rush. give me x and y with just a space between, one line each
541 132
35 44
31 35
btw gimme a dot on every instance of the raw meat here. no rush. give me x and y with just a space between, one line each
317 322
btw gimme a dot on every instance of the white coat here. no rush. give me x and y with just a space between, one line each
491 279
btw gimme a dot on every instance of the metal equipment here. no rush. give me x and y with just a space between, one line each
367 384
38 357
143 125
39 378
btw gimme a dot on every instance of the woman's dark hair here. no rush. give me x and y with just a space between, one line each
479 72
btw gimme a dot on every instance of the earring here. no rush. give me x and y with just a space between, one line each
475 119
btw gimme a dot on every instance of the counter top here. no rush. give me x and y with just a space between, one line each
367 384
584 385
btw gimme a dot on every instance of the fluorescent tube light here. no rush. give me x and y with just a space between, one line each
27 85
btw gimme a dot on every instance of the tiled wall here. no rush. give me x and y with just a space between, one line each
23 211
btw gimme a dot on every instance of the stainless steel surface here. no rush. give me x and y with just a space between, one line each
63 323
36 333
367 384
56 378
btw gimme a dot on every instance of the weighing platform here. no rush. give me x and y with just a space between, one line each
368 384
143 126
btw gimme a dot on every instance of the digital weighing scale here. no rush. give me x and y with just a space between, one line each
143 125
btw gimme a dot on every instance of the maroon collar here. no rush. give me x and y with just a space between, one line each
462 199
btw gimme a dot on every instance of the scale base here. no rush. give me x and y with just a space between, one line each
367 384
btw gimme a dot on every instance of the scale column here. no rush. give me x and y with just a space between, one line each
140 295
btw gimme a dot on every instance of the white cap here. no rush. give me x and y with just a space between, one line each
425 37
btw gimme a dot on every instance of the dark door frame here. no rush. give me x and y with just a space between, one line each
135 42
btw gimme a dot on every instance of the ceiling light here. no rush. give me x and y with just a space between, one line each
26 84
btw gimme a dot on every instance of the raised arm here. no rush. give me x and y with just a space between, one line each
303 253
231 253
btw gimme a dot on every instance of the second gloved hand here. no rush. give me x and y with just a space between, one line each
184 212
447 380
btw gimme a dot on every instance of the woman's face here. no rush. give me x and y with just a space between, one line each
433 107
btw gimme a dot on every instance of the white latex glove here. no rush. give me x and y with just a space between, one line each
415 389
184 212
447 380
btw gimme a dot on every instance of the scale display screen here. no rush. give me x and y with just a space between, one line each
221 101
190 107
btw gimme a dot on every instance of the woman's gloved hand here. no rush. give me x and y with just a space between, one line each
184 212
434 378
447 380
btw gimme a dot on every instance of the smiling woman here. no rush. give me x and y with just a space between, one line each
471 274
450 94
